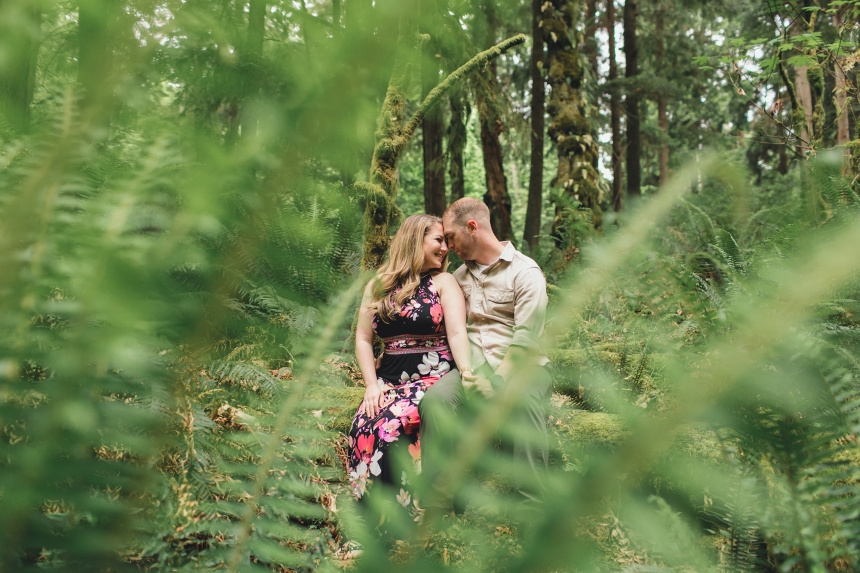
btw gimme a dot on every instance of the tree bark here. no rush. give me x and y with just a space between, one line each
634 144
569 126
20 42
614 110
662 120
488 100
590 39
96 20
804 97
496 198
432 129
531 230
460 111
843 127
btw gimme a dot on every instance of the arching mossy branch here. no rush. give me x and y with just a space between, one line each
392 136
443 88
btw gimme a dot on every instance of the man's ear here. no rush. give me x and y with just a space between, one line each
472 226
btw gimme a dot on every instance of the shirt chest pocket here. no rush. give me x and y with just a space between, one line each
500 301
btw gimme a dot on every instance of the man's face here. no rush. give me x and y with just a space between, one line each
461 238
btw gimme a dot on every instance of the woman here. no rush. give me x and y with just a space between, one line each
418 311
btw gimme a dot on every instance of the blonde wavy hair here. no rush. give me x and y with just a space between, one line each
403 268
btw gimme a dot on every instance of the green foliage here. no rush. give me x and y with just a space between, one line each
175 290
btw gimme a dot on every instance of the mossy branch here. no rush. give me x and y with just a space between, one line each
381 189
460 73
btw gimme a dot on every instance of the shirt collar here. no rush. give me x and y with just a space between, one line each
508 251
506 255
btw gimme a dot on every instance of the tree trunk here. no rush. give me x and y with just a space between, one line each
335 14
634 144
496 198
488 99
590 39
843 128
531 230
460 111
614 110
96 20
590 49
569 126
432 129
20 45
662 120
804 97
256 27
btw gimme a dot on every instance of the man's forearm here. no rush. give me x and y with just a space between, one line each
515 357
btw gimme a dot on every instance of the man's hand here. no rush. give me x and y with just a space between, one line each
480 384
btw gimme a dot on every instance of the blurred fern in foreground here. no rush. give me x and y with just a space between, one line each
176 277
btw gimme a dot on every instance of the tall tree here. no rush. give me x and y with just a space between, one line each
662 119
590 36
634 139
431 128
20 31
590 48
460 111
804 98
531 231
614 110
843 131
488 98
568 111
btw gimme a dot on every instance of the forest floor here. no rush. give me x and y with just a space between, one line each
575 435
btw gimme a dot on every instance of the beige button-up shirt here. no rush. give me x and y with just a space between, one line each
505 305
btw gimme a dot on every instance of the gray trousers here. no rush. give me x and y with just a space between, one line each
446 411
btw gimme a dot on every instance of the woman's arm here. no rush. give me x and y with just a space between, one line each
454 311
373 394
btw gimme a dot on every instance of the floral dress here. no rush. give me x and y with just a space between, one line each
416 355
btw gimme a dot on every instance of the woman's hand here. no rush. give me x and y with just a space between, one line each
374 399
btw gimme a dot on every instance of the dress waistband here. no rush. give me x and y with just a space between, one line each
415 343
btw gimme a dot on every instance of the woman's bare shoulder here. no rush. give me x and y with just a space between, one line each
445 280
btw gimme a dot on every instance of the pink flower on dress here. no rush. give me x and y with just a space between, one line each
436 313
410 420
389 430
400 407
365 446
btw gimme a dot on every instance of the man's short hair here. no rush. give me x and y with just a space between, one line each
467 208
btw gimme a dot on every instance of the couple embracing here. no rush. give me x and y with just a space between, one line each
449 340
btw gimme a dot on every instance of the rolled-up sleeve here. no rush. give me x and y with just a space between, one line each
529 309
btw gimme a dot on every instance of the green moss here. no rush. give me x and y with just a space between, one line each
816 80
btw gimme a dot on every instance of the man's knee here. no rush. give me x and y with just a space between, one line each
445 394
533 405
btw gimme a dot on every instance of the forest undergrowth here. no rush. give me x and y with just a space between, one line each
183 190
720 482
703 349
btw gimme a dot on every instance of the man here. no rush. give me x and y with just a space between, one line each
506 301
